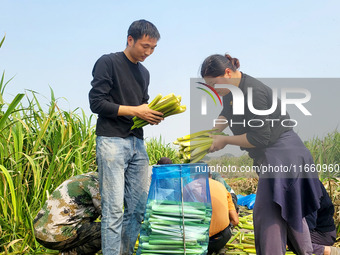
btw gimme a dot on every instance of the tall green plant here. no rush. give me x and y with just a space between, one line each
39 150
326 153
156 149
40 147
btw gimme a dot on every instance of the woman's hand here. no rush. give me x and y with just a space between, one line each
219 142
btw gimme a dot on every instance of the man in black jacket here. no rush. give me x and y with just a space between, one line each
120 92
322 228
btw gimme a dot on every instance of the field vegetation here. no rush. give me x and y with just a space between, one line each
42 145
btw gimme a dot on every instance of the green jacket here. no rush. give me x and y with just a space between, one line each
75 201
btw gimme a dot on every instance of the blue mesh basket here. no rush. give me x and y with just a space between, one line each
178 209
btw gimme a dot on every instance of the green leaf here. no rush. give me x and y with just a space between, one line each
10 109
2 41
11 188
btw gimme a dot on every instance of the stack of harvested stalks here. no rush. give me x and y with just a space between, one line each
163 228
243 239
168 105
195 146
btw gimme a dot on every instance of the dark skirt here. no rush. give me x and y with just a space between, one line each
294 189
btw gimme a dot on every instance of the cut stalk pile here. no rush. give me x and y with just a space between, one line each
243 239
168 105
195 146
163 228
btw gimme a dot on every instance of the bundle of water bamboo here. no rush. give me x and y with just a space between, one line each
168 105
167 226
243 240
195 146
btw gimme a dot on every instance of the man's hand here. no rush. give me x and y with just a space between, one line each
144 112
219 142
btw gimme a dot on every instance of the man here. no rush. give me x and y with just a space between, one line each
66 221
120 92
322 228
223 213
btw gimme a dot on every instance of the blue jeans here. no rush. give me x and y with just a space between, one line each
123 175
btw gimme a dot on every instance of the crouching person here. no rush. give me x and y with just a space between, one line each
224 216
322 228
66 222
217 177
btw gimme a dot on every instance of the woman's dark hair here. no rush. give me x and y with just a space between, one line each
215 65
139 28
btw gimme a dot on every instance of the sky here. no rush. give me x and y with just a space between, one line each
56 43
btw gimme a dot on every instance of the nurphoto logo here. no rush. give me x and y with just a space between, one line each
204 98
238 104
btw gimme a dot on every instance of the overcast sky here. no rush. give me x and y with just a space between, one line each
56 43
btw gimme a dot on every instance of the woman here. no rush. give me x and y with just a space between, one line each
283 199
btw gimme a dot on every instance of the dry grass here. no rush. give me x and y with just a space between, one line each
243 186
